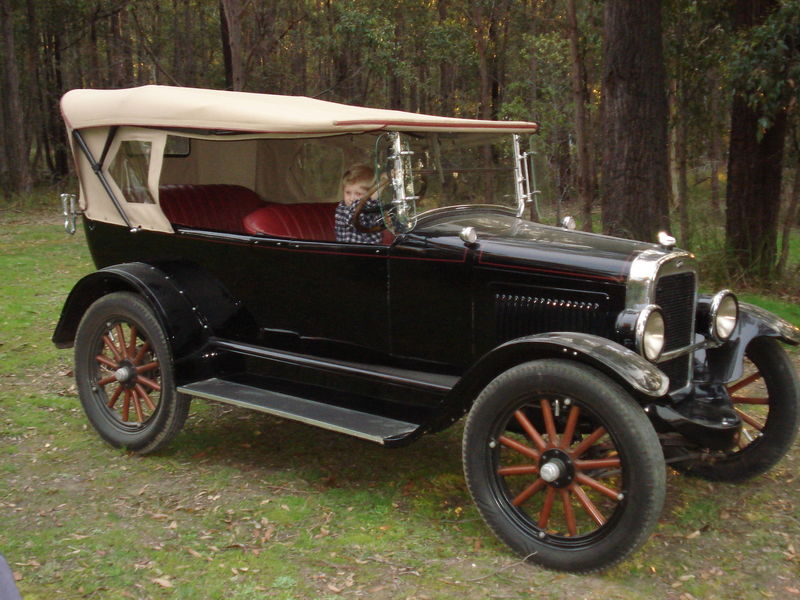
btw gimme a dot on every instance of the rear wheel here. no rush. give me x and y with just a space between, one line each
123 369
767 399
563 465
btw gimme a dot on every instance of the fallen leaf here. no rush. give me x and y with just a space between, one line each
163 582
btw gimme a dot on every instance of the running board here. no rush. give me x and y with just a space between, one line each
431 382
366 426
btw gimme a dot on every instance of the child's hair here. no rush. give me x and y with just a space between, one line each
358 172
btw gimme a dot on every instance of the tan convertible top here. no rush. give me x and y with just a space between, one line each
284 116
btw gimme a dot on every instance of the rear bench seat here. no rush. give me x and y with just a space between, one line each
305 221
219 207
237 209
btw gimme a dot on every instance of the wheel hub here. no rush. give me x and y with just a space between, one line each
556 468
552 470
125 373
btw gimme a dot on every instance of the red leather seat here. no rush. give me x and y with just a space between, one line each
219 207
305 221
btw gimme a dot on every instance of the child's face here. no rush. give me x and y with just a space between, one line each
354 191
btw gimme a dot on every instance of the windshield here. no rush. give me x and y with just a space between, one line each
424 172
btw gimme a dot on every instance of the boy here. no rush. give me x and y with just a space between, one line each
356 182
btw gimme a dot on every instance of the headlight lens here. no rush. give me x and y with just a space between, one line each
724 314
650 333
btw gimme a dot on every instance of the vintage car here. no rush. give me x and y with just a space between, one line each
580 360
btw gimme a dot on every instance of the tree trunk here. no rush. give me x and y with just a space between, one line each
584 178
481 32
792 214
446 70
681 161
635 160
755 160
716 142
18 158
231 23
5 189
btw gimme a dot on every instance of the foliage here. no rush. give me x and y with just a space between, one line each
765 63
434 56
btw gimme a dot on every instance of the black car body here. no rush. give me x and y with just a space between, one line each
582 360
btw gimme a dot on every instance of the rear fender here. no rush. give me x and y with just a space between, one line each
190 305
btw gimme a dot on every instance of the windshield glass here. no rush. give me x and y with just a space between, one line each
425 172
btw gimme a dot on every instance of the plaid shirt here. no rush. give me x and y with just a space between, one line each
346 232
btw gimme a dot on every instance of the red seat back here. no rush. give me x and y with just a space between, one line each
305 221
219 207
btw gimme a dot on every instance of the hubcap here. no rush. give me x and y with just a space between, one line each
124 374
556 468
552 470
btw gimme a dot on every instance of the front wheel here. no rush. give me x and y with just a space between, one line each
767 399
123 368
563 465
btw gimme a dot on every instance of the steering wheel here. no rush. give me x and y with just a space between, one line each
361 203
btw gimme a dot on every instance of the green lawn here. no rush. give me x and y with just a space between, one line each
245 506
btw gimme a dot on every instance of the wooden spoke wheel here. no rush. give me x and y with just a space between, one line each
123 369
563 465
767 399
128 372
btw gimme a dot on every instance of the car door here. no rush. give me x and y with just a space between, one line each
430 299
327 295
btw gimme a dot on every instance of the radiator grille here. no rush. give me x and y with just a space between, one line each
519 314
675 296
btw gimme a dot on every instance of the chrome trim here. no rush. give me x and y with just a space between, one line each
641 328
69 210
667 356
666 240
646 269
650 265
405 208
716 301
468 235
521 176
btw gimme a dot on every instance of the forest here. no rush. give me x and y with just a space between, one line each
658 114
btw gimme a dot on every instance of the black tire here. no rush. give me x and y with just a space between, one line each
768 428
123 368
612 440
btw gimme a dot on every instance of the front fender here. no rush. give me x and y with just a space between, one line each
726 361
621 364
607 356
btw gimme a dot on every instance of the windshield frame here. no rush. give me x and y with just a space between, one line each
406 184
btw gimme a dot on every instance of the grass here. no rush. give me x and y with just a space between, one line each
246 506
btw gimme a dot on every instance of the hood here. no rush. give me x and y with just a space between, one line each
508 242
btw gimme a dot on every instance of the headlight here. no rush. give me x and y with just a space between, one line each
723 315
650 332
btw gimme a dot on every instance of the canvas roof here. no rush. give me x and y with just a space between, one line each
241 112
